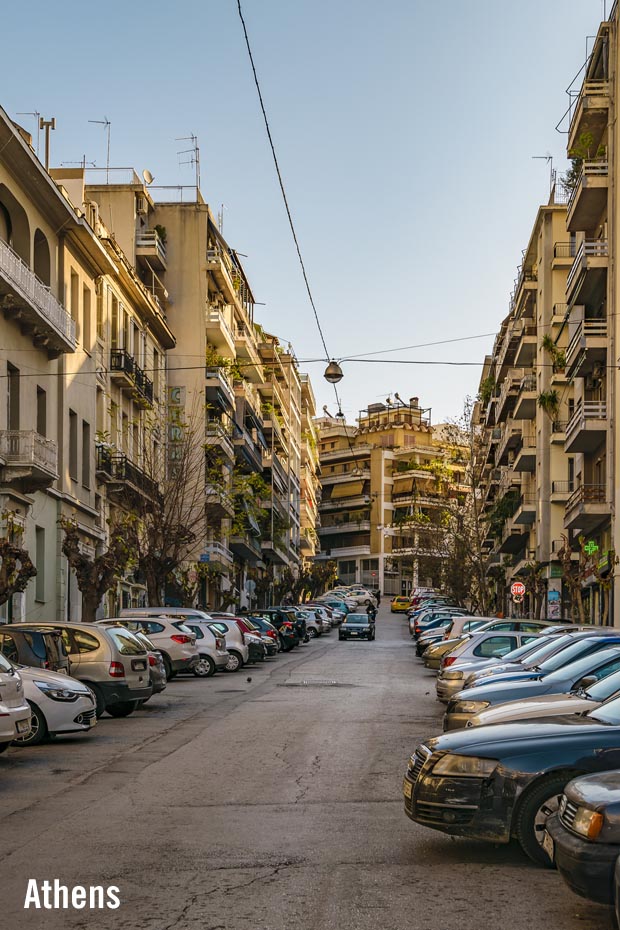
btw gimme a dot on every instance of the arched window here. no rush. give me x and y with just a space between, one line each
42 265
18 226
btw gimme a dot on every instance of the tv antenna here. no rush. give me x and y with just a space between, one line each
220 218
194 154
549 159
81 164
107 127
37 117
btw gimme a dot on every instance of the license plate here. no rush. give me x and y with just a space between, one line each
548 845
407 789
23 726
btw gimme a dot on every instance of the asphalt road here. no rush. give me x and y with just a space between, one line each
273 804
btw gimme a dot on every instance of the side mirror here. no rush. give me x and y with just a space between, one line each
586 681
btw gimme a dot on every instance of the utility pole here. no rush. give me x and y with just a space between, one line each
107 126
47 124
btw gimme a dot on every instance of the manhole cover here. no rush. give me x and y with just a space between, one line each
316 683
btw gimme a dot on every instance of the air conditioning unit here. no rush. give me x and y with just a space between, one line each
141 206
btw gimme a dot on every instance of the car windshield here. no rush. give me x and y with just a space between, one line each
549 648
608 712
605 688
574 651
600 664
126 642
521 652
356 618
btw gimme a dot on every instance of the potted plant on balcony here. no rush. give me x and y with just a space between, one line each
557 356
549 401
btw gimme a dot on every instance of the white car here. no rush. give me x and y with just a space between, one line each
59 704
14 709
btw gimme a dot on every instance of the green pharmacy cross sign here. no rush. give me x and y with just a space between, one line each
590 547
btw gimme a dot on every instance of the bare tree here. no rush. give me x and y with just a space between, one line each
16 567
96 575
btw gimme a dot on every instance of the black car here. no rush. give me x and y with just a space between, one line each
37 647
357 626
284 623
266 629
297 616
583 837
501 782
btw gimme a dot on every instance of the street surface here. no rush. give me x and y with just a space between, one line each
273 804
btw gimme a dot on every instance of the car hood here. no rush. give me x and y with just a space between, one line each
505 691
30 674
546 706
490 740
506 677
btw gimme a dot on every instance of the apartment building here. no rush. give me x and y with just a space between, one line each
383 496
310 480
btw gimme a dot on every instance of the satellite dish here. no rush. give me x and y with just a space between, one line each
148 177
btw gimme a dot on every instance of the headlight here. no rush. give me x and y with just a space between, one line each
470 707
588 823
464 766
452 676
58 694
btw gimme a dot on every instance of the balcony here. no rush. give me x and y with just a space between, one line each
275 551
218 502
218 435
218 389
218 556
525 405
246 548
247 451
219 333
587 427
558 431
525 454
525 514
279 473
125 371
247 351
151 247
526 283
359 526
561 491
122 476
527 343
589 196
588 343
589 113
587 271
509 442
587 508
220 265
514 537
30 461
32 305
274 430
509 391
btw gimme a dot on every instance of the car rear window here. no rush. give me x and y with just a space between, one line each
220 627
126 642
196 629
182 627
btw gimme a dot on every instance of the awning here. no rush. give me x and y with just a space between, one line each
403 485
347 489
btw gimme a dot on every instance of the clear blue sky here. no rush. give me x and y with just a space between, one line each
405 132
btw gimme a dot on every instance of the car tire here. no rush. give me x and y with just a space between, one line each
168 668
38 731
205 667
538 803
4 747
99 698
122 708
235 661
312 633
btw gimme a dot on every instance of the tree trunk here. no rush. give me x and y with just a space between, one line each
90 604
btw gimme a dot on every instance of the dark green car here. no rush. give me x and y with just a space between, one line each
357 626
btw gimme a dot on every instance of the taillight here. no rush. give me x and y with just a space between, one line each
152 660
272 633
181 638
448 661
287 625
117 670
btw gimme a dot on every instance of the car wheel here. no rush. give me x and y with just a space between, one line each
99 698
542 800
205 667
312 633
235 662
37 733
122 708
168 667
4 747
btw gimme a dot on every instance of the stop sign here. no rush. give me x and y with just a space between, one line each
517 588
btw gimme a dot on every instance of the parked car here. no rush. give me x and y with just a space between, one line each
115 667
297 618
584 671
236 646
335 604
434 653
587 696
333 617
357 626
157 669
362 596
37 648
169 633
268 631
211 645
499 782
399 605
421 621
583 836
59 704
286 626
15 713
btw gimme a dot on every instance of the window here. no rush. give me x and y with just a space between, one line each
75 302
41 411
114 329
73 445
151 627
127 643
39 561
85 454
8 648
86 319
85 642
100 297
196 630
495 646
155 374
12 397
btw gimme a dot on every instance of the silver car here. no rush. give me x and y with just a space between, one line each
167 630
211 644
491 644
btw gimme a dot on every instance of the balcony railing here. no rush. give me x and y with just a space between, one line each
150 239
562 487
587 494
593 169
587 410
118 467
593 328
28 288
26 448
122 361
589 248
589 89
217 552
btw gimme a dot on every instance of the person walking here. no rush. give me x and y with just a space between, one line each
378 596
